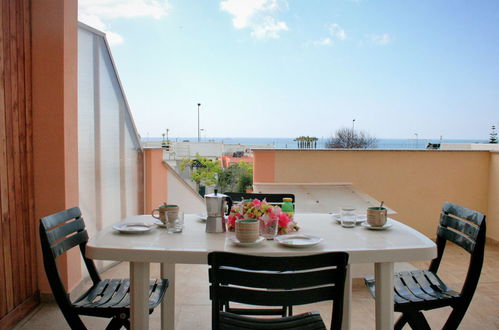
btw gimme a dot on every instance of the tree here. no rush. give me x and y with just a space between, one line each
306 142
347 138
493 135
236 178
203 170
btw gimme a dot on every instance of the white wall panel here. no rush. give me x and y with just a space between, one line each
109 151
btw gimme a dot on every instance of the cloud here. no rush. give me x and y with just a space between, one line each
380 39
322 42
96 12
257 15
336 31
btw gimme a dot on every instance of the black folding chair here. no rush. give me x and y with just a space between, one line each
420 290
274 199
275 281
108 298
270 198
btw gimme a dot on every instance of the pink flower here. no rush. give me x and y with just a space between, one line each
256 202
231 221
284 220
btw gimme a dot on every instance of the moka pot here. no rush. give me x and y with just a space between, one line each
215 209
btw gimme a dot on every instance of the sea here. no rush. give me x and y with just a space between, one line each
391 144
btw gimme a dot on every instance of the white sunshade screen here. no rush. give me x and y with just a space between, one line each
109 152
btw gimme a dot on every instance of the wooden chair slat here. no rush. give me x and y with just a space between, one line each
412 285
108 293
69 243
157 289
60 217
66 229
254 311
436 281
276 280
90 295
456 238
466 228
399 299
118 296
284 264
427 287
276 298
463 212
305 321
403 291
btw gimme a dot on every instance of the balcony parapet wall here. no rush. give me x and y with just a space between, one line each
415 183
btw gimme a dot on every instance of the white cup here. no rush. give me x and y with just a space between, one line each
247 230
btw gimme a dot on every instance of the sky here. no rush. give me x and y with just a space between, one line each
286 68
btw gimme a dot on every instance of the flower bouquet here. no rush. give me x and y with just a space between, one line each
272 220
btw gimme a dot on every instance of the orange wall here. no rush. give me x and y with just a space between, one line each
156 178
493 211
413 183
264 166
55 144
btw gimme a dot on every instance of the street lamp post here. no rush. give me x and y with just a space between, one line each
416 140
199 136
353 125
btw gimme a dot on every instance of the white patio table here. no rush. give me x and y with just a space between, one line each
383 248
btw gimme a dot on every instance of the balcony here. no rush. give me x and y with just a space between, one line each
60 150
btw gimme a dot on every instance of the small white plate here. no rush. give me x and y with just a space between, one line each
133 228
360 218
387 225
159 223
298 240
234 240
202 217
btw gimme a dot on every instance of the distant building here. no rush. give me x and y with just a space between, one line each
227 161
470 146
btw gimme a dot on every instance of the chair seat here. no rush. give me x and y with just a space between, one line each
305 321
418 290
112 296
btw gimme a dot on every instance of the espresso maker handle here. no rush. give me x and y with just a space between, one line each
229 204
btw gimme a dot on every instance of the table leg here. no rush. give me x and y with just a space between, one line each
168 305
383 272
347 301
139 295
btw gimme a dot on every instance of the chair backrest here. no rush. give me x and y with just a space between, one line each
59 233
466 228
270 198
277 281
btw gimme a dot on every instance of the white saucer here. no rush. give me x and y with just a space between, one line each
133 228
387 225
159 223
234 240
360 218
298 240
